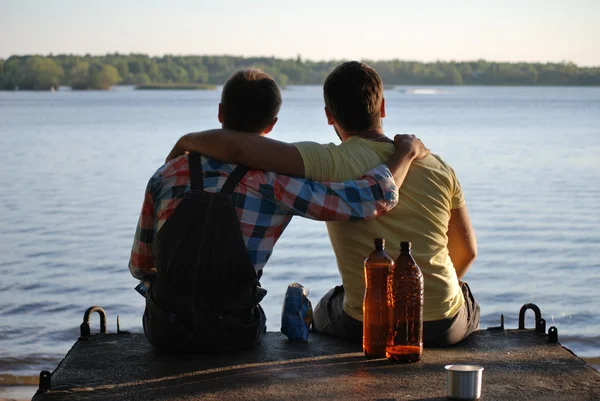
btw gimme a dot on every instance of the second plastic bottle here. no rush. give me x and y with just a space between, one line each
405 308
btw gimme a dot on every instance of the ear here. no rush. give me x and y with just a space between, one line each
220 115
382 108
330 119
270 127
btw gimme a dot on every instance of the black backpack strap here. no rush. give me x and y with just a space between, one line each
196 173
234 179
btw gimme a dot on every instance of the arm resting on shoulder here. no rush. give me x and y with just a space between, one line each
362 199
408 149
248 149
462 244
374 193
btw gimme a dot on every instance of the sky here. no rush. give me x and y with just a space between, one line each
421 30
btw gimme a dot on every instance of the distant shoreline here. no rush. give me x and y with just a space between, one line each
102 72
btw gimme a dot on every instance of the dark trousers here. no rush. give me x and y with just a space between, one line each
329 318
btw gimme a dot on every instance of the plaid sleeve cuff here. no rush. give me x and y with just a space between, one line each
141 273
385 179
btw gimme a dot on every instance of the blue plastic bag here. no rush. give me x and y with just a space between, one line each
296 316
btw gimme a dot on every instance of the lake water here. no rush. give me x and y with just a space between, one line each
75 166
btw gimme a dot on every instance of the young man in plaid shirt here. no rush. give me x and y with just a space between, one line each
207 228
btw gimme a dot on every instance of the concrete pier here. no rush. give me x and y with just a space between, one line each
519 365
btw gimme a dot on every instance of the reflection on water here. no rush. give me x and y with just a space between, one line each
76 166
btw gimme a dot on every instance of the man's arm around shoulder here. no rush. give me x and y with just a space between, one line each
374 193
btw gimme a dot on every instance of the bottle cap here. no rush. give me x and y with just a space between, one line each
379 242
405 246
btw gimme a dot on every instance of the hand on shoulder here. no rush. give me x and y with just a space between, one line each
411 145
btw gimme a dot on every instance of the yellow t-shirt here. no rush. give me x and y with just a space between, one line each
427 195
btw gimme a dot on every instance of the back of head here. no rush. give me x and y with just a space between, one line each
353 94
250 101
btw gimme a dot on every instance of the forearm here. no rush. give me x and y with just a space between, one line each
221 144
399 163
366 198
462 262
248 149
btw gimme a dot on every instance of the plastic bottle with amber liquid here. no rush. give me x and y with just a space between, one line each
375 313
405 307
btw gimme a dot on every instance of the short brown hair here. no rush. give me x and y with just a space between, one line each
250 101
353 93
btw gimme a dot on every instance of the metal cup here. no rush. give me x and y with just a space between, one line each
464 381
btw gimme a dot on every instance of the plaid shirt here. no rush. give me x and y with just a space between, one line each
264 203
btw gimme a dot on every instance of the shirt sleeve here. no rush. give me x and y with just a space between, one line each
365 198
319 163
458 199
141 262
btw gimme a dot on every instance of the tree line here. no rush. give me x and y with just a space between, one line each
36 72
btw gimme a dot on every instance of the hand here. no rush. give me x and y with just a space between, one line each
176 152
410 144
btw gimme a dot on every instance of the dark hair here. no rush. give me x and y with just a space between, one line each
353 93
250 101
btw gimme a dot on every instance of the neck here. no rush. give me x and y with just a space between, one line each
375 133
225 127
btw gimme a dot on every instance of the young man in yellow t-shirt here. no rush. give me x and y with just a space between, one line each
431 212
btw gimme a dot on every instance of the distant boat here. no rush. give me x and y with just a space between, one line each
421 91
